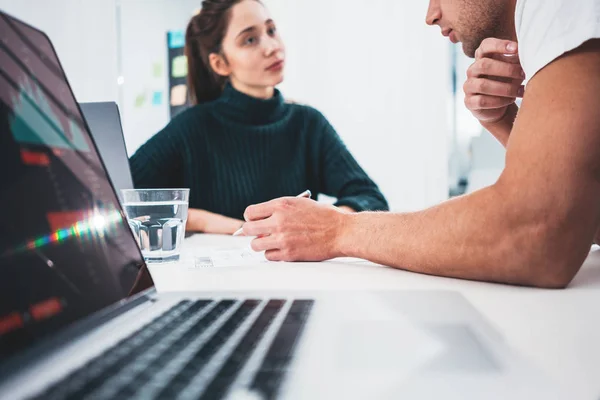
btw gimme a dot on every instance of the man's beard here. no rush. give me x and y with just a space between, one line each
481 19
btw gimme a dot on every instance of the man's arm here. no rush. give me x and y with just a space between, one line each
533 227
536 224
501 129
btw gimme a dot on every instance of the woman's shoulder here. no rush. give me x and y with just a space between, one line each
191 114
306 111
188 121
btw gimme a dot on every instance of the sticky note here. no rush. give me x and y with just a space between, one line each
178 95
179 68
157 70
157 98
176 39
140 99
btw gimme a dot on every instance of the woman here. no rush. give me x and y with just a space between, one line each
241 144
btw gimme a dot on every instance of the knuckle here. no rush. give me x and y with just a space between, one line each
472 70
466 86
485 64
287 255
485 43
481 102
470 102
285 243
482 86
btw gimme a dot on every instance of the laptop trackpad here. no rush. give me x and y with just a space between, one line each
463 351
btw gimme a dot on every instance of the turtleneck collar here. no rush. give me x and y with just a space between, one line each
239 107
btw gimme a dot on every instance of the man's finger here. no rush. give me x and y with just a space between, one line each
492 46
260 211
261 227
491 88
274 255
495 68
481 102
265 243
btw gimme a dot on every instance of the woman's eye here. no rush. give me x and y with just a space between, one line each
251 40
272 31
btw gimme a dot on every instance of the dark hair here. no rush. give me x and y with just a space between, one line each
204 35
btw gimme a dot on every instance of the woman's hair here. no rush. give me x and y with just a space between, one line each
204 35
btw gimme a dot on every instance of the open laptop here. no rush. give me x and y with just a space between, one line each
104 122
79 317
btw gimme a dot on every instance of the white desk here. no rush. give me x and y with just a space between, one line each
558 330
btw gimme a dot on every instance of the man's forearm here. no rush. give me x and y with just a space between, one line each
501 129
481 236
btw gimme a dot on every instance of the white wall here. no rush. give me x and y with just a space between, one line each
84 35
382 77
142 31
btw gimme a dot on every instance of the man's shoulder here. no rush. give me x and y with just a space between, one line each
547 29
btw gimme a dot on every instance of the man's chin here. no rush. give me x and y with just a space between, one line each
469 49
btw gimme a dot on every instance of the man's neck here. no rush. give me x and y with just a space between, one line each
511 10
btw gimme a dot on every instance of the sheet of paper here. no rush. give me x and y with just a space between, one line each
228 257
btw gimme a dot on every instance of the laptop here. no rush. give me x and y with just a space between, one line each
79 317
104 121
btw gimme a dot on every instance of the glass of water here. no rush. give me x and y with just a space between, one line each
157 218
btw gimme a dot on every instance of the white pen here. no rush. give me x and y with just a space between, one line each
306 193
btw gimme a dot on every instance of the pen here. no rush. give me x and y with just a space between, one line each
306 193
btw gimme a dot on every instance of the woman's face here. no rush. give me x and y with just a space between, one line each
254 54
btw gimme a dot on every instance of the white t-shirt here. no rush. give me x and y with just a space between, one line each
546 29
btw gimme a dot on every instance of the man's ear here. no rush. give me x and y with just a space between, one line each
219 64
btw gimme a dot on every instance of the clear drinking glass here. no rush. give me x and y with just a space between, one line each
157 218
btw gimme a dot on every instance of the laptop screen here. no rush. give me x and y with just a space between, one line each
66 250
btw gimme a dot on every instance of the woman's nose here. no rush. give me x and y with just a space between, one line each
271 46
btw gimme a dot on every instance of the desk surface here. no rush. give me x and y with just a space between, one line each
558 330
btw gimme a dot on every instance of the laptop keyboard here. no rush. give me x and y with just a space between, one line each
195 350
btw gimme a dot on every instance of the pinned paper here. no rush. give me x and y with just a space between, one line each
140 100
178 95
157 70
157 98
179 67
176 39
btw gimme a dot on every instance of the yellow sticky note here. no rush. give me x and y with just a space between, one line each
178 95
179 67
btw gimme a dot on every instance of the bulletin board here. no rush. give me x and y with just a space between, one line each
178 91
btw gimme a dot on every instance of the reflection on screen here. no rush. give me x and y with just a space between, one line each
65 249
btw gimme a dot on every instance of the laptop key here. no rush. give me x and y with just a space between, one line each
142 377
270 374
206 352
96 371
220 384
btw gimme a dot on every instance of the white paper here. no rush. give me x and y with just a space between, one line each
228 257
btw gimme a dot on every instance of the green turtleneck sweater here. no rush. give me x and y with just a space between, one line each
239 150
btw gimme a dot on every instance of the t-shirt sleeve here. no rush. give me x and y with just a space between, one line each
547 29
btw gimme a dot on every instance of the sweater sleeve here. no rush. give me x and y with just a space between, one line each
158 163
341 175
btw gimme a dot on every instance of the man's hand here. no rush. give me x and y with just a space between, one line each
292 229
494 81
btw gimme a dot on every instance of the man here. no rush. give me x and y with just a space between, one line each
536 224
